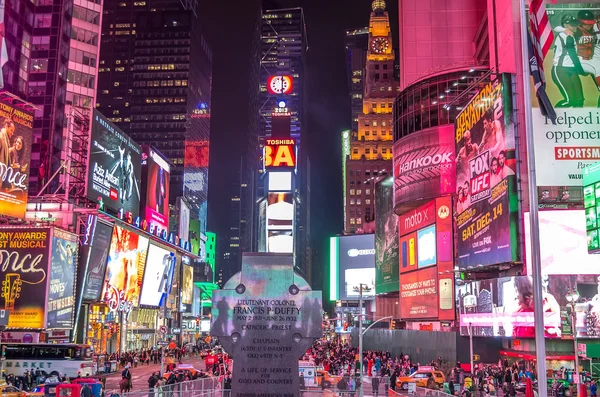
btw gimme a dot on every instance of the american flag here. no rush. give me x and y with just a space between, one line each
541 32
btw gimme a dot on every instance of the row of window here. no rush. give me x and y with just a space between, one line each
374 123
86 15
84 36
80 78
383 133
359 201
83 57
166 100
385 66
355 221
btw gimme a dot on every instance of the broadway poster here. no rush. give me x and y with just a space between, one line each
25 275
386 238
61 293
485 173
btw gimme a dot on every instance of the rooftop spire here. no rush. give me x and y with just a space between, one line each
378 5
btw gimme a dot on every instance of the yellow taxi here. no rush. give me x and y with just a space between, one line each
11 391
38 391
326 378
420 378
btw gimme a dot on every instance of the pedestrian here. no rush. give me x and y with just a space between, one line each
86 391
375 384
593 389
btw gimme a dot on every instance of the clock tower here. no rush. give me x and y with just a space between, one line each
369 150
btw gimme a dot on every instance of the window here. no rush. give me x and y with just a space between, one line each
368 191
352 202
351 192
86 15
39 65
374 123
36 88
368 151
376 66
359 202
385 66
42 21
358 192
41 43
368 201
374 150
355 151
367 133
85 36
352 221
383 122
358 221
384 150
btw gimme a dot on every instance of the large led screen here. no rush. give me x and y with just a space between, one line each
419 294
485 175
115 167
280 222
158 276
26 257
185 223
504 306
124 269
353 263
424 166
187 289
157 181
564 149
97 257
386 238
563 243
61 292
15 157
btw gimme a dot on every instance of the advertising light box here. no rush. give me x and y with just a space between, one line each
25 277
99 245
280 222
157 173
419 294
124 269
16 137
158 276
386 238
485 180
563 150
352 263
114 168
61 292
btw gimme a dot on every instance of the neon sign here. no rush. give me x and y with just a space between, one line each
155 230
280 153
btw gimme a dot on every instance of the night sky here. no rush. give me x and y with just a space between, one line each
228 26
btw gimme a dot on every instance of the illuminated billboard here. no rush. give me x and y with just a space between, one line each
504 306
61 291
16 137
386 238
563 243
184 221
158 276
98 246
427 261
26 257
424 166
280 153
591 203
157 176
352 263
564 149
114 167
187 289
124 269
280 222
485 179
280 84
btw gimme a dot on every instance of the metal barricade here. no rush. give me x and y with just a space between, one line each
203 387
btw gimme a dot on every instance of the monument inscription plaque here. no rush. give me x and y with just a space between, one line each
266 317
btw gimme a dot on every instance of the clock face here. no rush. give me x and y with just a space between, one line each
379 45
279 84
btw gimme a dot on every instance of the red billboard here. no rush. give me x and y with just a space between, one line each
418 294
426 244
280 84
424 166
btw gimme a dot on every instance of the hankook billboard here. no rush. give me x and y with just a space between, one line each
423 166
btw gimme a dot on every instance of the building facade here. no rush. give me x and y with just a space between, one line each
370 145
357 45
155 84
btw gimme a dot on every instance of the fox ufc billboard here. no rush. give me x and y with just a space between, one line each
279 153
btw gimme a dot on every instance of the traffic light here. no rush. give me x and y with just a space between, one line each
3 352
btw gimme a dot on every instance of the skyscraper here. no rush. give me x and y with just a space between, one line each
357 44
370 151
283 53
155 83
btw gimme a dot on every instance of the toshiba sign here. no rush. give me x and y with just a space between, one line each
423 167
280 153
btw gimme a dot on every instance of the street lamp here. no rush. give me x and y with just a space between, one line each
572 297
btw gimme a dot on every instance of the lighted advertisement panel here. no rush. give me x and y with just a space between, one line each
387 256
485 177
591 203
114 168
61 291
426 262
124 269
352 263
15 155
157 181
280 222
158 276
424 166
187 289
184 222
504 306
97 258
563 243
279 153
563 150
194 234
25 275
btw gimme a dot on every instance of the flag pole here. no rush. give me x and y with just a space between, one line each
540 342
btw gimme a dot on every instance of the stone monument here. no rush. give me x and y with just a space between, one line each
266 317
